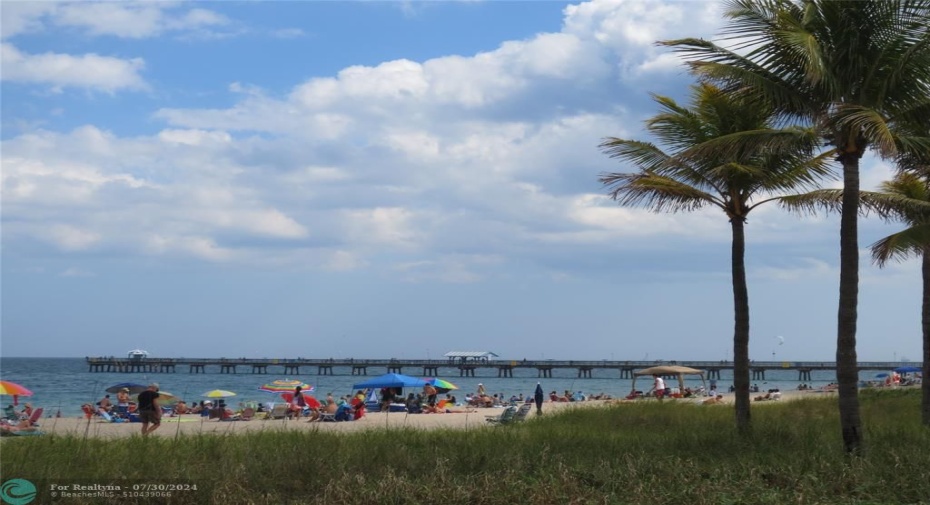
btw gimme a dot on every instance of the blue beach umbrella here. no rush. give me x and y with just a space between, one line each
907 369
881 375
390 380
133 387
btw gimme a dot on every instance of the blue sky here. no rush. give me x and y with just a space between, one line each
381 179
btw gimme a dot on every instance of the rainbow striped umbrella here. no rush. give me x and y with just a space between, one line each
440 383
285 386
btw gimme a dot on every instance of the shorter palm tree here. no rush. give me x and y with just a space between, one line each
723 152
907 197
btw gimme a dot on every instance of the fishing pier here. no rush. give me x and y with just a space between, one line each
431 367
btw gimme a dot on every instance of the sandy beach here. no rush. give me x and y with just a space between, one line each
474 419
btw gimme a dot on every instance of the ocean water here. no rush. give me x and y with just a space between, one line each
64 384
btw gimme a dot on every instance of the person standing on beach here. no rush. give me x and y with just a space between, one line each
539 396
149 410
298 402
658 386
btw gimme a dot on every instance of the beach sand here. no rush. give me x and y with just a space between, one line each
475 419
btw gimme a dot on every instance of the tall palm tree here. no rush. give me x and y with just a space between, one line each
857 70
908 197
724 153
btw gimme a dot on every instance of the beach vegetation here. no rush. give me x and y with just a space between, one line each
637 452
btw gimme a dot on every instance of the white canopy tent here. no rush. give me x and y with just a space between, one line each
674 371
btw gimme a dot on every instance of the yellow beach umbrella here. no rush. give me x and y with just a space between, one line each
218 393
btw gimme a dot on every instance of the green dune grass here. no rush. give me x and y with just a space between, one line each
643 453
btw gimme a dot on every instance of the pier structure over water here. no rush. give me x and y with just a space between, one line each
431 367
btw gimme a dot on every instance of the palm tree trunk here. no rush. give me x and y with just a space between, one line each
847 366
925 319
741 325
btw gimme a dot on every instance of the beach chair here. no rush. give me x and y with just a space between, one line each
122 411
522 412
505 417
279 411
36 415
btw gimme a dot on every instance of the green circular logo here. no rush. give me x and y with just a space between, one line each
18 492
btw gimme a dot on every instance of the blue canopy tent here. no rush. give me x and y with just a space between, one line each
390 380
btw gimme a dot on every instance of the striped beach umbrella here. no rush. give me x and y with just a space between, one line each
440 383
12 388
285 386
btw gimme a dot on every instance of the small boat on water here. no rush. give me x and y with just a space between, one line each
137 354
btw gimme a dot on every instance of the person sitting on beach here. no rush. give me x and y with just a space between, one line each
330 407
181 408
10 412
712 400
26 412
122 398
429 391
24 426
413 406
105 404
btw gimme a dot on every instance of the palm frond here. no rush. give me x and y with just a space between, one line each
913 241
655 192
887 206
870 123
812 202
644 155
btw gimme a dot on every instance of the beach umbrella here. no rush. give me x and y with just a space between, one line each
285 385
440 383
312 402
218 393
907 369
881 375
133 388
538 397
14 389
166 397
390 380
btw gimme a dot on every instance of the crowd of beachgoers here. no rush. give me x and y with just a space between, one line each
299 405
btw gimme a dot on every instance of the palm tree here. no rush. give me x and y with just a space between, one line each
724 153
857 70
908 198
